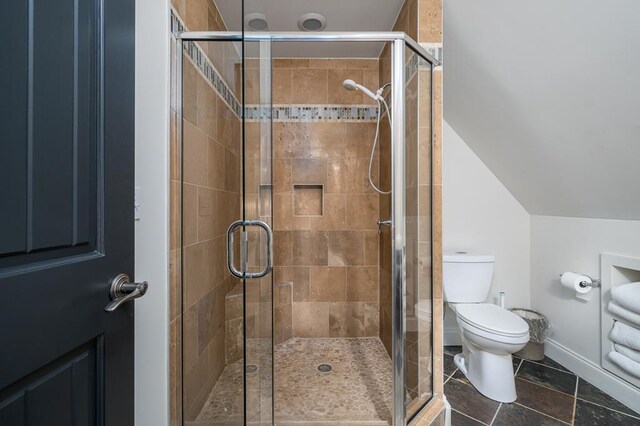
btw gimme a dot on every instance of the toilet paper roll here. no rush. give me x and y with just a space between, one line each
572 281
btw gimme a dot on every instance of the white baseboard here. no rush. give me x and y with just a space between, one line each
612 385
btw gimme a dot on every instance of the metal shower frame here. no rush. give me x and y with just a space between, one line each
399 41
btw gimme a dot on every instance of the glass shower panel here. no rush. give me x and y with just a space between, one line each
209 187
418 329
258 208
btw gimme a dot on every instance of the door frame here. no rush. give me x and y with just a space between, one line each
152 144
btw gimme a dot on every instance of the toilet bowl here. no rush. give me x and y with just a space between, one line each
490 334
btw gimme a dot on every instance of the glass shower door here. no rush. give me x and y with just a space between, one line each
258 253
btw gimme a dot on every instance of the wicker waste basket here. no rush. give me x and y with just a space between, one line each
539 332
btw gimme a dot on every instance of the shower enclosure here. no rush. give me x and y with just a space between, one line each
299 304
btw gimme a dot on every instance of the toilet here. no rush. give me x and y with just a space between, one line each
490 334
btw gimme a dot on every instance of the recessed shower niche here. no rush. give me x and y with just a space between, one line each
308 200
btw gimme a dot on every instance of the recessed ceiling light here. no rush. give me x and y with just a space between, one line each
256 21
312 22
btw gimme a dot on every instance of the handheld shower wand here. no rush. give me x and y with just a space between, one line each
352 85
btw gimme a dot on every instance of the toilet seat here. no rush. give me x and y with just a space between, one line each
492 322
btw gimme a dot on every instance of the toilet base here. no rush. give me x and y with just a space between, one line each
490 374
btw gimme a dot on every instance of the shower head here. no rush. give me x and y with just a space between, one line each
352 85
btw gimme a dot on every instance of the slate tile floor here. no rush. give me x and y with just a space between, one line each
548 394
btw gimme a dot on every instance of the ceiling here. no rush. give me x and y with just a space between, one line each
341 15
547 94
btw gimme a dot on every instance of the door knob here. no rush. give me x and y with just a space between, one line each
121 291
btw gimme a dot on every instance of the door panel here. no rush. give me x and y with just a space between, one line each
62 393
66 220
258 205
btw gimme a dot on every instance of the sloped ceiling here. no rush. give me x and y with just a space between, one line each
547 94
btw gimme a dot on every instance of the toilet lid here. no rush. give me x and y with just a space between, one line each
492 318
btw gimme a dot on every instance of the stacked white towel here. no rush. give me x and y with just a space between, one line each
624 313
628 352
627 296
625 363
625 335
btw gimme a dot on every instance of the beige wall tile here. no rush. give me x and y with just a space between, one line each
232 177
327 63
195 274
310 248
346 319
362 284
283 215
327 284
207 214
282 180
195 15
311 319
281 86
175 150
362 212
228 127
189 91
346 248
175 217
206 108
311 86
175 290
337 94
371 319
190 337
297 275
283 247
216 165
341 176
430 21
290 63
371 251
309 170
361 136
283 323
334 214
190 214
195 155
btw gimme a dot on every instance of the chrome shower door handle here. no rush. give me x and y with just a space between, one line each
230 257
244 249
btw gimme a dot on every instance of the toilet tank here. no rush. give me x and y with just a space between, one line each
466 278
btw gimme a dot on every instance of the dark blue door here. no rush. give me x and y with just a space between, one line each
66 216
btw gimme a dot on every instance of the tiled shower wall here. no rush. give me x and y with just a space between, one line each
326 235
210 194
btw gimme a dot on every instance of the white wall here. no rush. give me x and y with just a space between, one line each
518 89
560 244
480 215
152 231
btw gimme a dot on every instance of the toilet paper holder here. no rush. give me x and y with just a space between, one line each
595 283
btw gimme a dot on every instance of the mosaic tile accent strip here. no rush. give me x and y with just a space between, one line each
281 112
312 113
202 63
